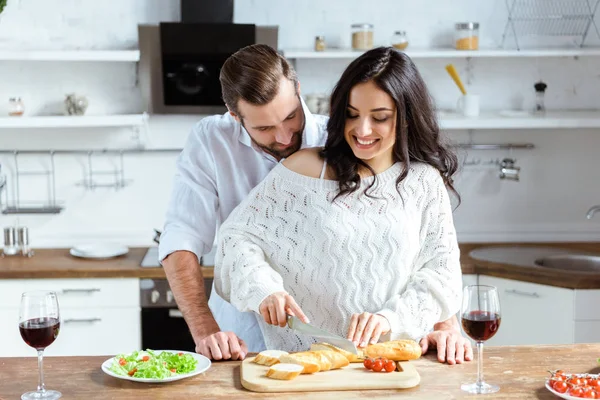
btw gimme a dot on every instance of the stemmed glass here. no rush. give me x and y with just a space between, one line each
480 316
39 323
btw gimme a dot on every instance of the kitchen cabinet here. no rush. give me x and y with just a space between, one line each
533 313
98 316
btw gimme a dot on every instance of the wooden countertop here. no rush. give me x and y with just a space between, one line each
58 263
520 371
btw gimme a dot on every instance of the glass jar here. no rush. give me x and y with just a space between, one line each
399 40
16 108
320 43
362 36
467 36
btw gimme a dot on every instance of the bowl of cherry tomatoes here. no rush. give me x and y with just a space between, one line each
574 386
380 364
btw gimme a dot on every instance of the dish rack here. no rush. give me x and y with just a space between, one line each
568 19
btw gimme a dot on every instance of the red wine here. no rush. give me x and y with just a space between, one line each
39 333
480 325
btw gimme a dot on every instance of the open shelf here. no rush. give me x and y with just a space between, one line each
59 121
447 53
495 120
71 55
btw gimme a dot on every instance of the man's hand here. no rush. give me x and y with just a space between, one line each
366 328
222 346
275 308
452 347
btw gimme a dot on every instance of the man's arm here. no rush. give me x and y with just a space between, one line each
189 233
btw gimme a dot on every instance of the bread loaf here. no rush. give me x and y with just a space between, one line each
351 357
337 359
269 357
395 350
284 371
310 361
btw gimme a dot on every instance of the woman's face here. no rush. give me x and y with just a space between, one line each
370 123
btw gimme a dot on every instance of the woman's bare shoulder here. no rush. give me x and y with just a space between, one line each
306 162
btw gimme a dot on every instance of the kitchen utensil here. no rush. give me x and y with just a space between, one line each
454 74
296 324
468 105
353 377
10 241
508 170
540 90
98 251
202 366
23 236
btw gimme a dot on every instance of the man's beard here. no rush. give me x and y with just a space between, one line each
280 153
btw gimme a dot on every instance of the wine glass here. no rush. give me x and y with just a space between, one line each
480 316
39 323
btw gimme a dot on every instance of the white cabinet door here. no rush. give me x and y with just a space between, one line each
529 313
469 279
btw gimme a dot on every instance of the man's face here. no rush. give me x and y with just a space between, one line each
275 127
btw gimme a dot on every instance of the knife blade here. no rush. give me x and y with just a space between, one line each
296 324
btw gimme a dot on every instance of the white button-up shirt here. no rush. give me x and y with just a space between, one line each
216 170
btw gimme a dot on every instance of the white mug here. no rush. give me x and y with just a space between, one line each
468 105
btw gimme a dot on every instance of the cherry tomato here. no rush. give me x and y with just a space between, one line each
595 383
389 366
122 361
377 366
560 386
179 354
575 381
173 370
368 363
145 358
383 360
576 392
133 371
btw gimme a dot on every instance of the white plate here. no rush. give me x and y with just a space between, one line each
203 365
565 395
99 250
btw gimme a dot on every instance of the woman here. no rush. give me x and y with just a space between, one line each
357 237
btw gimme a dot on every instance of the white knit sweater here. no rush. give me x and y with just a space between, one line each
395 255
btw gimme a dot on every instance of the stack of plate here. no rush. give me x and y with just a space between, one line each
99 250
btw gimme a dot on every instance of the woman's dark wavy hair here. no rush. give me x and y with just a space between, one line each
417 130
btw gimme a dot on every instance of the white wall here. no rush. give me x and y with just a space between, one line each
559 178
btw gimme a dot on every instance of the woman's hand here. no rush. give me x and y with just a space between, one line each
366 328
275 308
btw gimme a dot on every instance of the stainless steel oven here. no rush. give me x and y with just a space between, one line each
163 326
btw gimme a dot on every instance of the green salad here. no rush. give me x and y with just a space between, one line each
148 364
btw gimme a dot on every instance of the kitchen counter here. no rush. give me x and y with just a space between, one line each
58 263
518 370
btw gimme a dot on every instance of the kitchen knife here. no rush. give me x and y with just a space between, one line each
307 329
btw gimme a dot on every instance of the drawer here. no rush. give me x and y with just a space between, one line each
82 333
75 293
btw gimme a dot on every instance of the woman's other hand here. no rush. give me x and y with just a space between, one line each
366 328
276 307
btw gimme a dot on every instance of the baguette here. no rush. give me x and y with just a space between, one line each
337 360
284 372
310 361
269 357
395 350
351 357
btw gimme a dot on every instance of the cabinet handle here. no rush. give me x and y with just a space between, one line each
83 320
92 290
520 293
175 313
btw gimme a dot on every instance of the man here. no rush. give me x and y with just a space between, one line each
224 158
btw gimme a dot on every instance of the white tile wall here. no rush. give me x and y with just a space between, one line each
559 179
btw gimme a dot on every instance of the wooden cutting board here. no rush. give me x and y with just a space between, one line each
353 377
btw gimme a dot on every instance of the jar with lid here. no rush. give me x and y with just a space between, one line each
399 40
467 36
320 43
16 108
362 36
